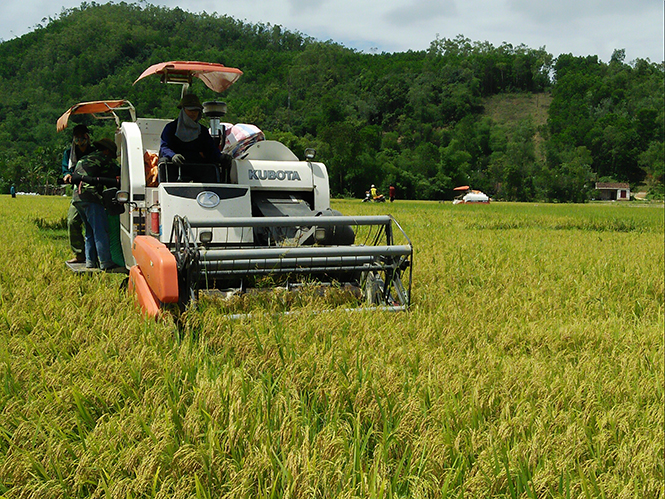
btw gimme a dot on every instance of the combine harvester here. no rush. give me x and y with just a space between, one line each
470 196
267 220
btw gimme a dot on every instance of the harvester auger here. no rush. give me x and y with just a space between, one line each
264 220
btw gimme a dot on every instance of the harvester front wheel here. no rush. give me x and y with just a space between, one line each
373 288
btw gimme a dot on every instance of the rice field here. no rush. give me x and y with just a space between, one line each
530 366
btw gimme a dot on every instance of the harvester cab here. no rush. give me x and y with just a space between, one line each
266 219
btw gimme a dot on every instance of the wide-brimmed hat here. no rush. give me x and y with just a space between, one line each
190 101
107 144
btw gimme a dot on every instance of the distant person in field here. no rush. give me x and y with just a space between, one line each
376 197
12 191
391 193
91 175
185 140
80 147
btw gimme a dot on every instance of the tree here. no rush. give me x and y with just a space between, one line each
614 110
652 161
415 118
519 163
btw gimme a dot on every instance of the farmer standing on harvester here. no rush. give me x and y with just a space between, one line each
80 147
94 172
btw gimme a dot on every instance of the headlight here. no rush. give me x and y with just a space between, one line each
205 237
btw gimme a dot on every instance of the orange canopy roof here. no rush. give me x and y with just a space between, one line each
217 77
93 107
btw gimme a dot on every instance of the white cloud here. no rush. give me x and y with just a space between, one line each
300 7
563 11
419 12
581 27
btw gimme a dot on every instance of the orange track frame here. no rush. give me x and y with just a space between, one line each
155 276
144 295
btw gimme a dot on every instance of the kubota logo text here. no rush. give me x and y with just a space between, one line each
273 175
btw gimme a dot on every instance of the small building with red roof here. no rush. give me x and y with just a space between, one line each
613 191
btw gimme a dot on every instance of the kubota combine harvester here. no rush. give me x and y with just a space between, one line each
267 219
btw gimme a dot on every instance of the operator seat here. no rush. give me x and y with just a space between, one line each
207 173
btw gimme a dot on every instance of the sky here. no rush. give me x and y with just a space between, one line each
578 27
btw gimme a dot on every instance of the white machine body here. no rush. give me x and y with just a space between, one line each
267 170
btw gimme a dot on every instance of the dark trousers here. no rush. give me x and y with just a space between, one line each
75 229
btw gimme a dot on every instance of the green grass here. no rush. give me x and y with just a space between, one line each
531 365
508 111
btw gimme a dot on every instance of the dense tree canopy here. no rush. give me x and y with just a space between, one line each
614 111
415 119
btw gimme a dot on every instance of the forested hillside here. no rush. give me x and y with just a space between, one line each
420 120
